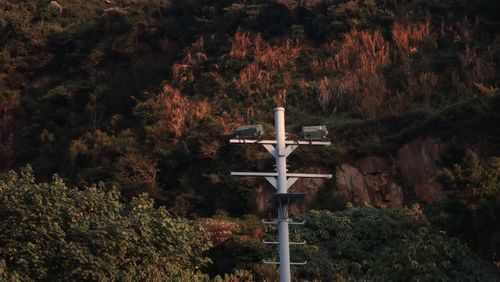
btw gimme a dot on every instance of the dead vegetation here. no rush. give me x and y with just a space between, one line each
353 77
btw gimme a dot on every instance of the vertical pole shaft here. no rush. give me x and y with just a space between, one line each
284 251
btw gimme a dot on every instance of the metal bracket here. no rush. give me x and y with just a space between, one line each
269 222
298 263
275 174
271 149
290 181
289 149
290 222
273 142
273 181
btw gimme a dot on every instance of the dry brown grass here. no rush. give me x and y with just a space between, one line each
240 48
269 65
219 230
275 57
230 121
408 37
355 80
246 45
326 94
475 68
323 67
280 98
479 67
422 87
185 72
176 113
209 150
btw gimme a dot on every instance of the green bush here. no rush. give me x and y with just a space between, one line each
51 232
368 244
472 207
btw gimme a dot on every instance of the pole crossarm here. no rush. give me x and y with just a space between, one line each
271 177
275 174
274 142
290 222
277 242
277 262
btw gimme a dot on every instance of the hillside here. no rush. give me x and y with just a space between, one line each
143 96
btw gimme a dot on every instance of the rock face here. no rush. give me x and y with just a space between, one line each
417 160
309 186
351 185
371 179
368 181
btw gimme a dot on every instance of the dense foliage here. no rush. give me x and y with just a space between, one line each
383 245
51 232
472 208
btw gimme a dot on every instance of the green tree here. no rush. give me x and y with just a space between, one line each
472 207
51 232
368 244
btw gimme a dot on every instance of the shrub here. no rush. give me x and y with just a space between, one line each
51 232
472 207
367 244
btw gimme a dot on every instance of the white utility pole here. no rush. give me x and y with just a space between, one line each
282 181
279 125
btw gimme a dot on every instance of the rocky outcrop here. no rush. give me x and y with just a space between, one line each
309 186
351 185
368 181
417 160
371 180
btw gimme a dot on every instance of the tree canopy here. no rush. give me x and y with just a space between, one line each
51 232
368 244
